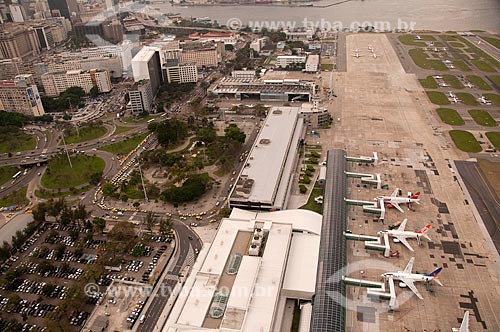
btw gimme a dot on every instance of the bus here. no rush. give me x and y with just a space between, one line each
15 176
141 320
150 120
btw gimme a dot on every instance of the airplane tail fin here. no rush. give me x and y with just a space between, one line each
415 196
424 230
434 273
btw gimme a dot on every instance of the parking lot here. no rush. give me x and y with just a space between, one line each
40 277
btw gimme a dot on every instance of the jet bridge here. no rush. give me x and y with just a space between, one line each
366 178
375 207
376 290
372 242
367 160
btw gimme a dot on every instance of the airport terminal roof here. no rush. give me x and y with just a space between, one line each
266 165
256 289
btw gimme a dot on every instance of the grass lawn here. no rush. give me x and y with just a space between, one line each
460 65
495 99
16 140
478 82
494 138
18 197
480 52
420 59
450 116
327 66
456 44
495 79
490 169
124 147
483 118
465 141
59 175
438 98
220 172
411 40
86 134
428 83
467 98
6 173
122 129
48 194
311 204
453 81
493 41
448 37
483 66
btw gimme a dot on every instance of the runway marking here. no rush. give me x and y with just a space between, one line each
494 196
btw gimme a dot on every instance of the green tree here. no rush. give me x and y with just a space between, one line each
99 224
108 189
150 221
234 133
166 225
94 92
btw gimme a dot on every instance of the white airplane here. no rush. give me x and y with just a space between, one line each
469 85
407 278
356 50
370 48
394 200
375 56
455 100
438 77
357 55
483 100
400 235
442 84
451 94
451 66
417 37
464 327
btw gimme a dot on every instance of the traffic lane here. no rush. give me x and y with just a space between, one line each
157 305
484 198
24 180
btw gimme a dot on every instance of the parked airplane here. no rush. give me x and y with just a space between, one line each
375 56
442 84
483 100
464 327
418 37
469 85
394 200
356 50
438 77
400 235
451 94
357 55
455 100
407 278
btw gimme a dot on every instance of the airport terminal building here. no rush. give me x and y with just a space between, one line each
265 180
257 264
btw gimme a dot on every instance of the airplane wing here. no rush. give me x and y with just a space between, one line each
412 287
405 242
396 205
395 192
465 323
402 226
409 266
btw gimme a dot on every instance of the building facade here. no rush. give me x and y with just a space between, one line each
18 41
140 97
202 57
177 73
312 63
21 95
54 83
146 65
283 61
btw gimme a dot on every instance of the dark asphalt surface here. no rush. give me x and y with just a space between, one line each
484 197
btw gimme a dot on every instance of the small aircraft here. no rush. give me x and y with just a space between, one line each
370 48
394 200
375 56
483 100
356 50
469 85
442 84
357 55
455 100
451 94
464 327
438 77
400 235
417 37
407 278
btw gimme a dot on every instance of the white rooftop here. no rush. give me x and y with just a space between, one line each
260 280
266 162
144 55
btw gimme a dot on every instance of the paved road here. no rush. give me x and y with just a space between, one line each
484 197
485 46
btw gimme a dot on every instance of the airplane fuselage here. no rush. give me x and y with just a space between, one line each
399 200
408 276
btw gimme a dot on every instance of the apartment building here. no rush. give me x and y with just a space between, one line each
177 73
141 97
54 83
282 61
201 57
21 95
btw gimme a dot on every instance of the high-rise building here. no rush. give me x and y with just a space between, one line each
10 68
54 83
177 73
66 8
140 97
146 65
21 95
18 41
202 57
